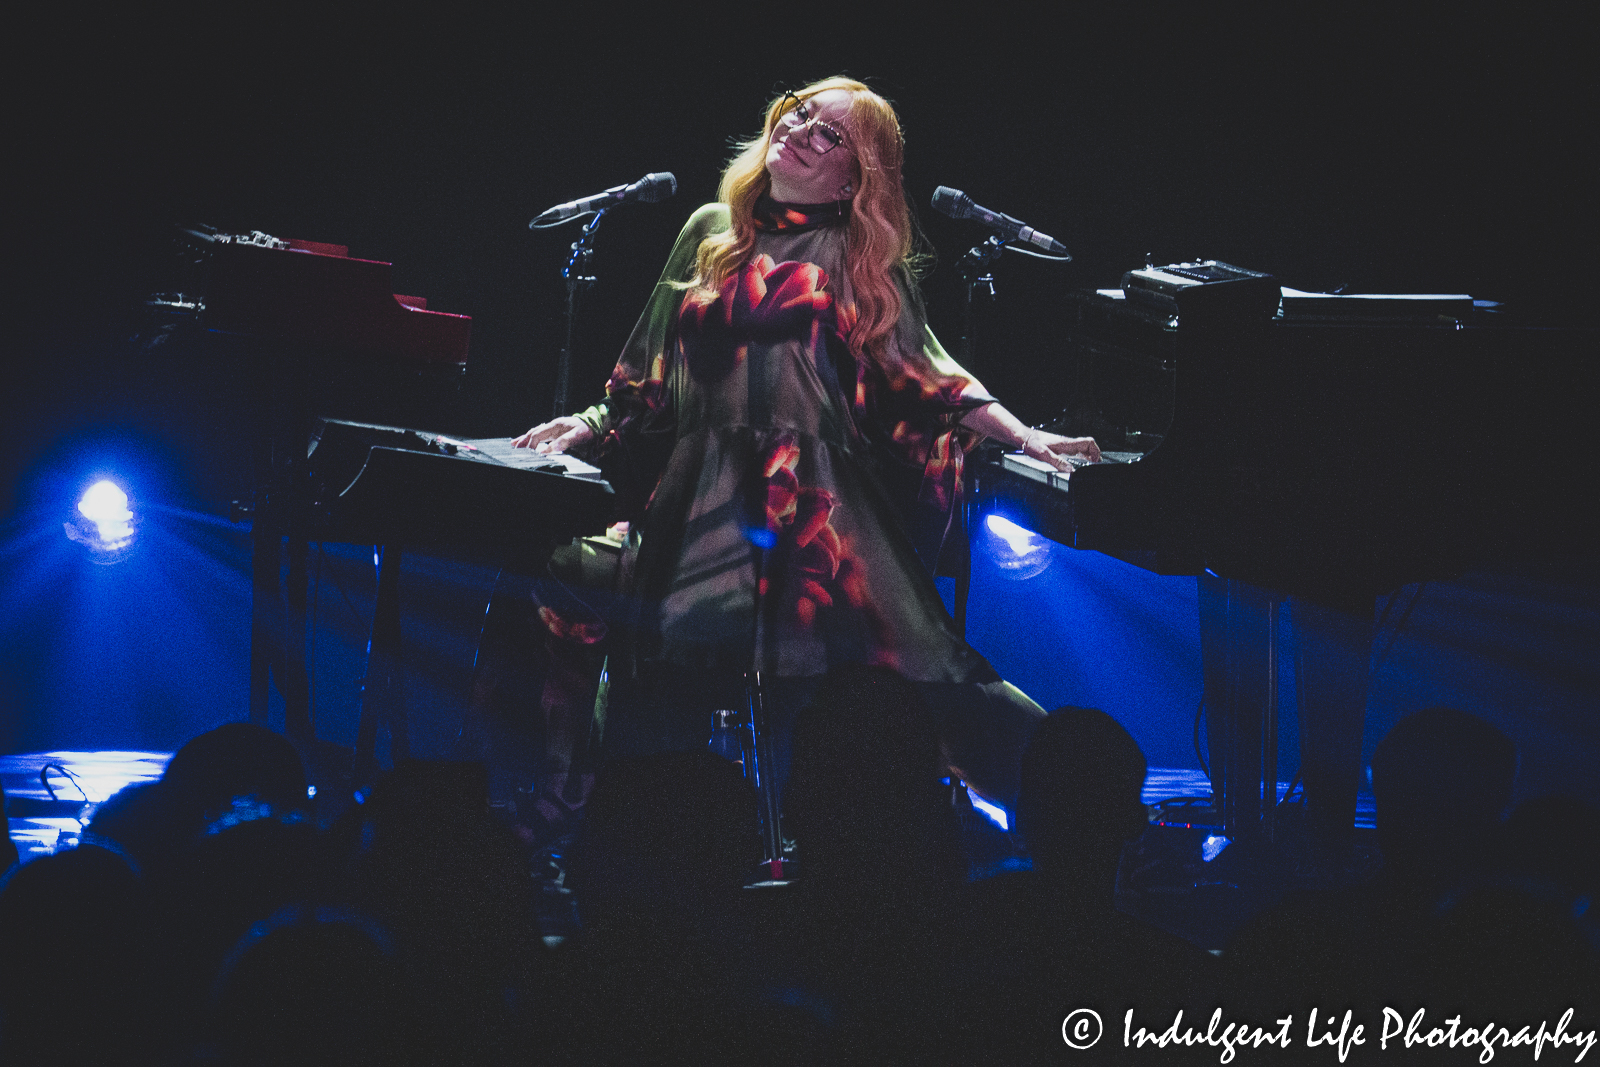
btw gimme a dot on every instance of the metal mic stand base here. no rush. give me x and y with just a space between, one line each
766 778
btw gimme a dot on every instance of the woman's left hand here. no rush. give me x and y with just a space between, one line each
1054 449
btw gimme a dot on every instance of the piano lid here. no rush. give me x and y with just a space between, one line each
313 293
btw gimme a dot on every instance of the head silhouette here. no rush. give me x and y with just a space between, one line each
1081 780
1441 780
237 760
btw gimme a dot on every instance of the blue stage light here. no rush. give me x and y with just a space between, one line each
106 505
103 522
993 812
1019 553
761 537
1212 847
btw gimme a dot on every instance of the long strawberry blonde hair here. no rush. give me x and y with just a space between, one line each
879 235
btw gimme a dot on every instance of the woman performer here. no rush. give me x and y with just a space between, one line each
787 410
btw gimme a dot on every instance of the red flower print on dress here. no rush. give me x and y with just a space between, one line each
650 389
564 629
825 574
765 302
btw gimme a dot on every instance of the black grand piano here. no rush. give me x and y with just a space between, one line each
1308 446
404 489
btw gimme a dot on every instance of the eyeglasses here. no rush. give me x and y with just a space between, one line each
819 136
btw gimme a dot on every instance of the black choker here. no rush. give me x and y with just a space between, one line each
772 217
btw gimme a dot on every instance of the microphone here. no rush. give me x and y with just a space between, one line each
959 205
652 188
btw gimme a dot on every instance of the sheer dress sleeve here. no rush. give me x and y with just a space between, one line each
638 387
636 424
910 402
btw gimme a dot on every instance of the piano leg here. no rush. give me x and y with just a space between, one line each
382 692
1239 631
265 600
294 681
1332 668
278 635
278 626
1235 652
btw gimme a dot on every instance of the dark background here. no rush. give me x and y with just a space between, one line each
1449 151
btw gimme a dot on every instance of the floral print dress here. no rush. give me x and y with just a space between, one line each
750 425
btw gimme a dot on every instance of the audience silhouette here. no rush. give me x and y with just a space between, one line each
1437 927
206 919
1043 942
315 987
880 867
78 942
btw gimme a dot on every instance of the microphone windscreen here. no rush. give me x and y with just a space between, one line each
952 202
658 187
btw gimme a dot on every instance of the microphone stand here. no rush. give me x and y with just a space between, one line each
762 541
766 761
976 269
577 282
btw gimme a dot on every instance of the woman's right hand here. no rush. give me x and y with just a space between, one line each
1063 453
557 435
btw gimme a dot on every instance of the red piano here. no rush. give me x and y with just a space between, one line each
328 336
317 294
